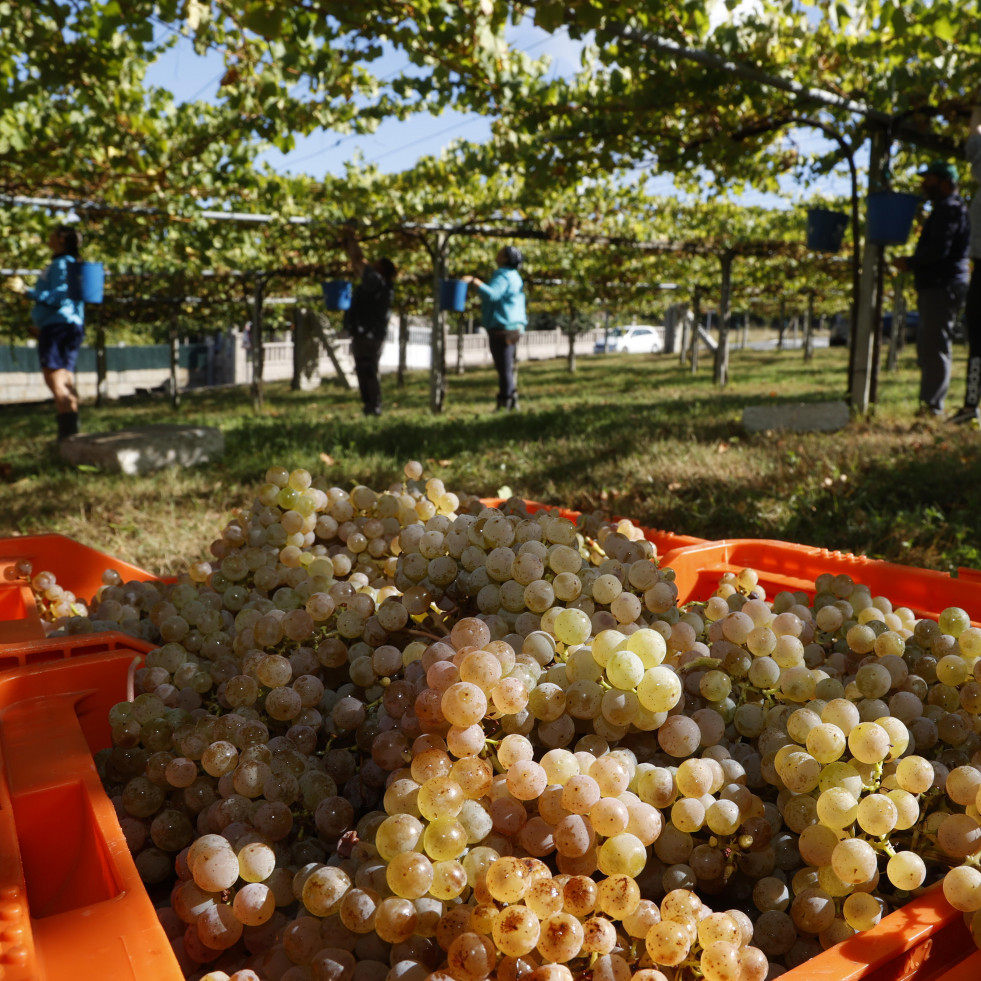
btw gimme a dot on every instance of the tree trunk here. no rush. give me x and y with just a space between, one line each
403 346
863 336
101 384
175 354
460 334
898 338
725 318
175 341
258 354
437 371
880 291
299 333
809 329
571 357
696 310
682 319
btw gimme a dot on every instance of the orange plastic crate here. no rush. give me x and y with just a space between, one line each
73 905
926 939
785 566
71 902
76 567
58 648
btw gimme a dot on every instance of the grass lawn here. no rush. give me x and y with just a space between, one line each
634 435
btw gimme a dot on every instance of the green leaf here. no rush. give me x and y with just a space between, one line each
899 22
944 29
265 18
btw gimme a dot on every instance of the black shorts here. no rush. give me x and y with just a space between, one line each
58 346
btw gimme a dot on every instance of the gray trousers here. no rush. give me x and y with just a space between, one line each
972 322
938 313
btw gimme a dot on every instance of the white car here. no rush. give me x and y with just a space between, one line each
632 339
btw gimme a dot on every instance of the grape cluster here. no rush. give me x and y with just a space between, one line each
52 601
399 736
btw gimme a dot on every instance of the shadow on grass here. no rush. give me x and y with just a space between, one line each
640 437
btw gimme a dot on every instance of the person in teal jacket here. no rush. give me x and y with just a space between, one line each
59 324
504 317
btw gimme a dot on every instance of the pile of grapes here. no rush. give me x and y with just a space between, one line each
399 736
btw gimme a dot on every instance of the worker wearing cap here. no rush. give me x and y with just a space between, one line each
940 274
972 307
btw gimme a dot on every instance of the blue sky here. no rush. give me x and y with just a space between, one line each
396 145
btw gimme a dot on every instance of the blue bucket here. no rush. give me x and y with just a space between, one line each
890 217
453 295
86 282
825 229
337 294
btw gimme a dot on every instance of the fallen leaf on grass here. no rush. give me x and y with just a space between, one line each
444 463
722 448
674 485
328 459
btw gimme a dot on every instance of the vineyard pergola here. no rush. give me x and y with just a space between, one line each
253 285
710 96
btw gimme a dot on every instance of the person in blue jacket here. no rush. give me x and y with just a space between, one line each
504 317
59 325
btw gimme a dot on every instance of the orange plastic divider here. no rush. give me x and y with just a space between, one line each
58 648
785 566
71 901
19 619
968 969
76 567
922 940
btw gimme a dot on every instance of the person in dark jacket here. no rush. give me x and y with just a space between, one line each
366 320
59 324
972 306
940 275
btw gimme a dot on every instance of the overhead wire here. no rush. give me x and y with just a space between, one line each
474 117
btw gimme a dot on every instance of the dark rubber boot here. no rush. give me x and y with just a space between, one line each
67 424
973 394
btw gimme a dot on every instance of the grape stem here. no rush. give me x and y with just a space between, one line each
425 633
700 662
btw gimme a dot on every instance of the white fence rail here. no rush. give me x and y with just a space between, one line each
228 362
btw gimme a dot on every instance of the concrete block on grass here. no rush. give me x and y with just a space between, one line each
144 449
798 417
